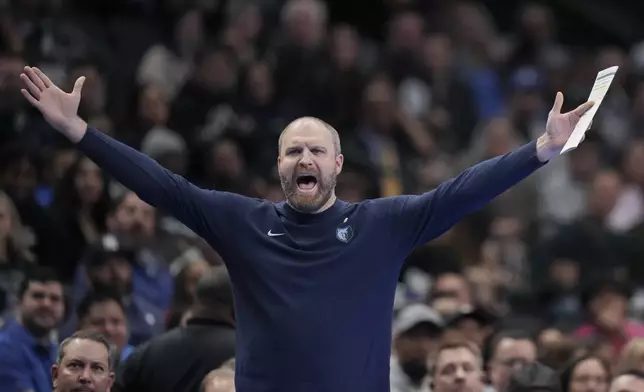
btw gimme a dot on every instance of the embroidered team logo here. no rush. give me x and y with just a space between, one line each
344 233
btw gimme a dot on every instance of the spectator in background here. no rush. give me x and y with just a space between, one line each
472 324
109 267
586 374
606 303
631 357
180 359
103 312
84 364
169 63
509 352
628 382
15 255
458 367
187 270
28 344
417 331
81 205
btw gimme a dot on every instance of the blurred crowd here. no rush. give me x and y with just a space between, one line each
206 87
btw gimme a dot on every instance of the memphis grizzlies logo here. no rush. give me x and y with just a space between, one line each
344 233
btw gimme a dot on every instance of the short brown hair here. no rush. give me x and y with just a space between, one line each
90 335
455 344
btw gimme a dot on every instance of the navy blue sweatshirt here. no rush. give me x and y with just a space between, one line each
313 292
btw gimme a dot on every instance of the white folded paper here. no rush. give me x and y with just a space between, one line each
600 88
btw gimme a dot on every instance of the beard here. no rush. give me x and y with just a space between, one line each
308 203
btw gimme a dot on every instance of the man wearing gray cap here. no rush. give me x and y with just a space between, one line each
417 330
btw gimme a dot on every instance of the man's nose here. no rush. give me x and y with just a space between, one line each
460 374
306 159
86 375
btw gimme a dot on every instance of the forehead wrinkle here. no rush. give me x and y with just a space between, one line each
312 122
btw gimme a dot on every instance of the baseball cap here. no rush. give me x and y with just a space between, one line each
416 314
107 247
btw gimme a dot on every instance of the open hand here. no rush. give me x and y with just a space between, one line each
559 127
59 108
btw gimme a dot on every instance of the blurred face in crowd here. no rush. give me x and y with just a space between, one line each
191 275
10 68
109 319
226 160
627 383
589 375
42 307
585 161
634 162
62 161
453 285
259 83
20 178
88 182
564 273
115 274
406 31
470 329
438 52
189 32
217 72
135 217
305 23
345 47
308 164
380 105
457 370
414 348
535 23
609 310
153 106
249 22
508 356
604 191
499 137
84 367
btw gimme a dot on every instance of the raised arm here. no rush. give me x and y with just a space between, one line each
420 218
136 171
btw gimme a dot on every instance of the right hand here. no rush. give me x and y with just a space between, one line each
59 108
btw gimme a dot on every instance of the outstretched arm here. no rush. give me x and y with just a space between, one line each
136 171
418 219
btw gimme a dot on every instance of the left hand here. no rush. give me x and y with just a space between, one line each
559 128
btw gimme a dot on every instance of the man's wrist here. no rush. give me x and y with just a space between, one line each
545 149
75 129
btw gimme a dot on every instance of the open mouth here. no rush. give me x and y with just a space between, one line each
306 182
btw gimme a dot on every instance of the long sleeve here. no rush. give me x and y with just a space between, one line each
417 219
203 211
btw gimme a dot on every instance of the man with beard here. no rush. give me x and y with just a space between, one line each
27 347
84 364
417 333
309 273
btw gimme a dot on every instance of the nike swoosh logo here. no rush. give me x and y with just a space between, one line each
271 234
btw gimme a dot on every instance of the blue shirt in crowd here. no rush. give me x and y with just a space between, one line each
25 362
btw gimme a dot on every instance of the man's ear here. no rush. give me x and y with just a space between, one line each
54 375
